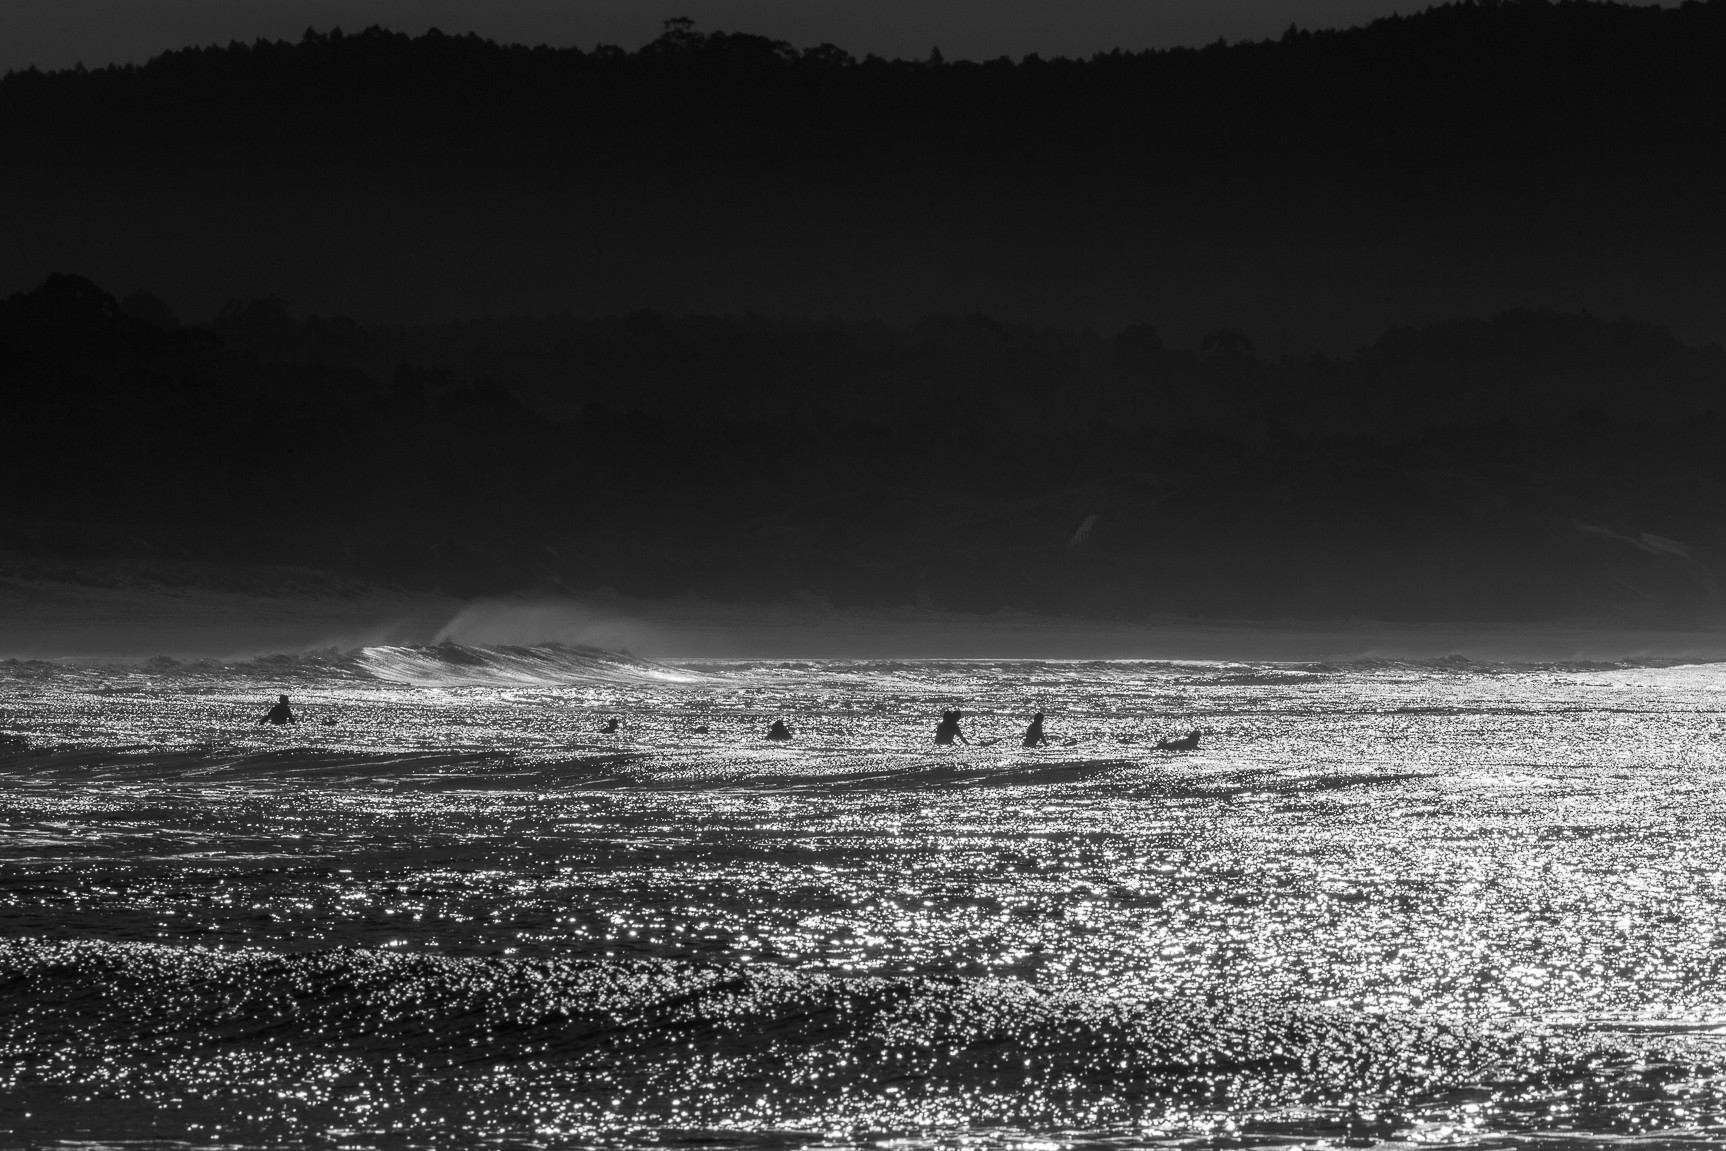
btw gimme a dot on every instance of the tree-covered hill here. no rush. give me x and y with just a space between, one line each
1529 466
1315 190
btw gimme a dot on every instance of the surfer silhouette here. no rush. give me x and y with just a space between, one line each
948 729
1185 742
611 726
778 730
281 713
1034 734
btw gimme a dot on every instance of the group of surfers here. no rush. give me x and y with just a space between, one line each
946 732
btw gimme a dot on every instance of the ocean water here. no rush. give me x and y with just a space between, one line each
1389 903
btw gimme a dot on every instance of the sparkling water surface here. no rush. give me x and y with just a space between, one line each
1383 903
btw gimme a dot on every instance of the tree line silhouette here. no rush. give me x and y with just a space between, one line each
1319 188
1532 465
986 375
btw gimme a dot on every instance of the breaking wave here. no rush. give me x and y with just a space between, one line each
434 665
452 664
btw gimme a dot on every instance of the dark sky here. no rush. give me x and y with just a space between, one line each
59 33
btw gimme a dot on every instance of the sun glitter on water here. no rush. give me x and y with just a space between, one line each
1406 902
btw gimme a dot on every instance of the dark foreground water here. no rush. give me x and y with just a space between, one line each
1439 903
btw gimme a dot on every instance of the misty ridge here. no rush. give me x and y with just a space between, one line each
1533 465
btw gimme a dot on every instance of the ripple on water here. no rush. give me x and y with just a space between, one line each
1381 902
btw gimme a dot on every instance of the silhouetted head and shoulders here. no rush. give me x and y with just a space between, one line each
611 725
778 730
281 713
1034 734
948 729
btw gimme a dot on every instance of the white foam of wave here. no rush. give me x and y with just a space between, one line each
546 665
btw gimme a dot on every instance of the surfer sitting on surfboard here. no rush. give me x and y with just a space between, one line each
948 729
1034 734
281 713
778 730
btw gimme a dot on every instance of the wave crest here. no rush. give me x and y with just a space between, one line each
551 664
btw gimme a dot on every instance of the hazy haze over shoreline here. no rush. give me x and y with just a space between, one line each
40 620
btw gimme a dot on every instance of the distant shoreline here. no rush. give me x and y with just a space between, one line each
64 621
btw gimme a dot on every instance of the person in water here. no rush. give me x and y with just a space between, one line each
281 713
1185 742
1034 736
948 729
611 726
778 730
